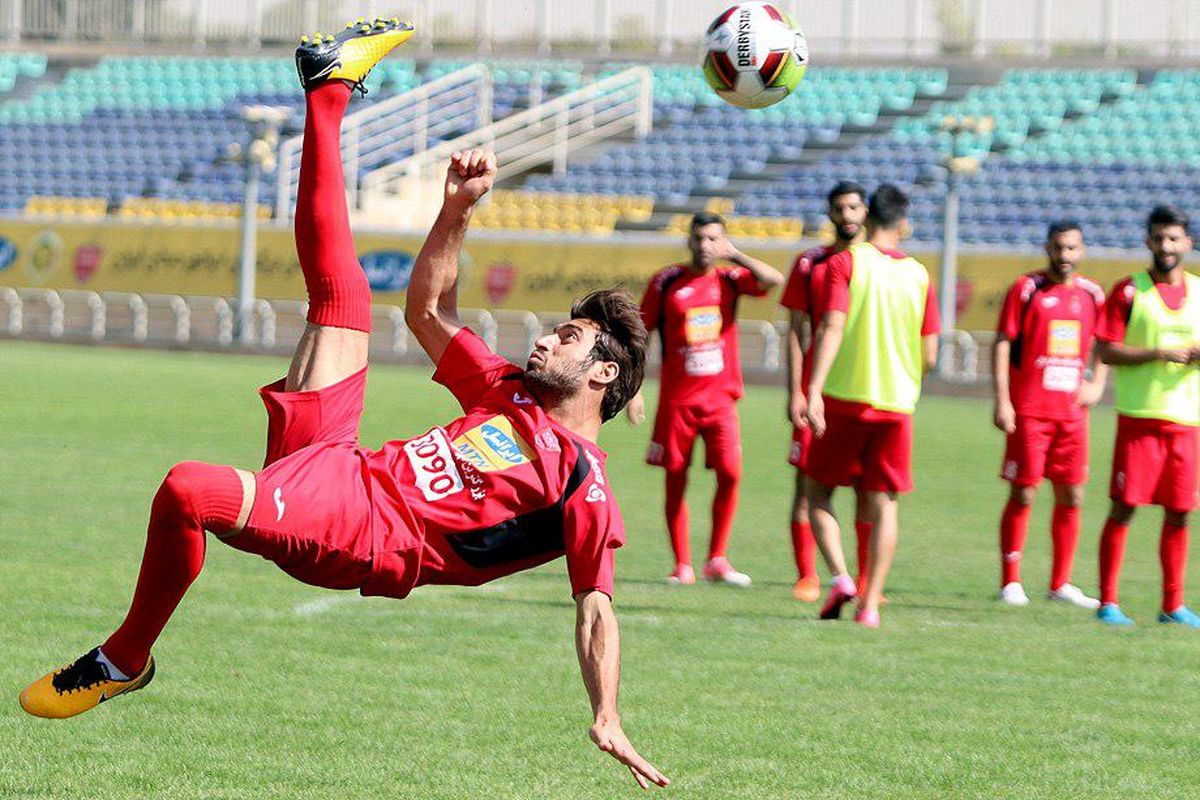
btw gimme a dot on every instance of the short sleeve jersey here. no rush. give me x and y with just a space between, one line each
696 319
840 269
1051 326
805 292
501 489
1119 306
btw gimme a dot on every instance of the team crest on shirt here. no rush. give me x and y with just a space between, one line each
703 325
494 446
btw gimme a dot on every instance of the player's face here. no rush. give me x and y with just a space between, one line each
848 213
1167 244
1065 251
561 362
706 243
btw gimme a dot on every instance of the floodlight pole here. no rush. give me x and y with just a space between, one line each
956 165
264 123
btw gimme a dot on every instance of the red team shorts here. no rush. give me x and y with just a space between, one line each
875 455
676 429
311 513
1047 448
1154 463
802 440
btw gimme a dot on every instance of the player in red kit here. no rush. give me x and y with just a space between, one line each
804 297
1150 334
693 307
1043 347
514 482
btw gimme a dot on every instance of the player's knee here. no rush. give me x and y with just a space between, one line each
1120 513
1023 495
175 494
1176 519
729 474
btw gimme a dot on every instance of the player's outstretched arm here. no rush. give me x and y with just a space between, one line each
1118 354
431 304
597 641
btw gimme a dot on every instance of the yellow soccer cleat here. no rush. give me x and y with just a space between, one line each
349 55
78 687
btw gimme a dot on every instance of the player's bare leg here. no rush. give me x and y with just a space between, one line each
1064 534
885 520
1014 529
829 539
804 545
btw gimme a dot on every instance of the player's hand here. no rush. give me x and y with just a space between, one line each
636 410
611 739
816 414
1175 355
1089 394
798 409
470 176
725 251
1005 417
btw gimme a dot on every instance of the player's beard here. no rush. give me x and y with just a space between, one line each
1164 267
843 236
554 384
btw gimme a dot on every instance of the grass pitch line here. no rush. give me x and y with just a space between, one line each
323 605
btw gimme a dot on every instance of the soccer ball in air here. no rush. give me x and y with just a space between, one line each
755 55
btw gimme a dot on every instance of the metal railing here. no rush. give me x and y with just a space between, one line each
545 134
403 125
162 320
848 27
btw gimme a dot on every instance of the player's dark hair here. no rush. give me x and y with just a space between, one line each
842 188
1062 226
622 340
706 218
1167 215
888 207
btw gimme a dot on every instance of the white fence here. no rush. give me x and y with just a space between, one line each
177 321
839 27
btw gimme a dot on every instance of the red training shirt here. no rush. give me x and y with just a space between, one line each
840 269
1051 326
696 319
806 292
1120 305
503 488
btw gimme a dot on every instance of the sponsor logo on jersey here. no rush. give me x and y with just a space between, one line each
548 441
280 506
433 464
1064 339
703 325
494 446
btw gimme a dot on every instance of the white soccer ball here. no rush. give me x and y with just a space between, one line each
755 55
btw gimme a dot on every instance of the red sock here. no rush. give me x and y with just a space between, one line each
862 535
1064 530
804 547
723 508
338 292
1112 552
1172 551
194 497
677 517
1014 527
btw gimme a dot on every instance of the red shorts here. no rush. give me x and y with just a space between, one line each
875 455
676 429
802 440
1154 463
311 514
1047 448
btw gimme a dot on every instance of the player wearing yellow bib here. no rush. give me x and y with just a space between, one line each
1150 332
877 339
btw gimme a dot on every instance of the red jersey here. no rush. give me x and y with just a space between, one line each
501 489
1051 327
840 269
805 292
1120 305
696 319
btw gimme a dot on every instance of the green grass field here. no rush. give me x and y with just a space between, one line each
269 688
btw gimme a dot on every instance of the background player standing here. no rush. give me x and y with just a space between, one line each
804 297
694 308
1150 333
1043 346
877 340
